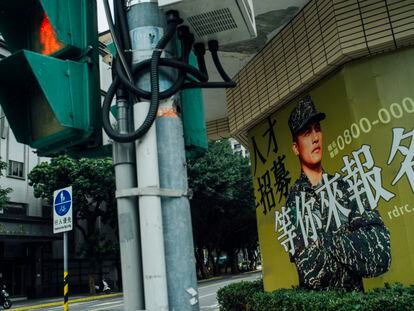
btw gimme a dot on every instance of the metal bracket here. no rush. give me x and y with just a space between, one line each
151 191
130 3
85 55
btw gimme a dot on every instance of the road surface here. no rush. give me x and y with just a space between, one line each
207 297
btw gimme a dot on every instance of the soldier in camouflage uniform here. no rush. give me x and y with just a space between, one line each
335 257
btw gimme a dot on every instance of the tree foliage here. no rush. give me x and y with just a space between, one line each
222 207
93 191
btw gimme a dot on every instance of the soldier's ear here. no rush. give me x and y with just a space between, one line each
295 148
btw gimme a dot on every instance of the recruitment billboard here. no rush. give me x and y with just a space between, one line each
333 174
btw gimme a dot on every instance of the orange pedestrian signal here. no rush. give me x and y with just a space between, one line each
47 37
49 91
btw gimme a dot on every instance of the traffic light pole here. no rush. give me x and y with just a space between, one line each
145 21
129 234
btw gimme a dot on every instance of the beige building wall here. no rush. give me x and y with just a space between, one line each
324 35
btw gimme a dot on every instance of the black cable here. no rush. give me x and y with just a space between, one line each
123 27
124 43
115 38
200 52
229 83
213 47
163 62
187 40
122 80
173 20
106 109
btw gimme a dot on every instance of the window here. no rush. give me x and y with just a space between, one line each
16 169
15 208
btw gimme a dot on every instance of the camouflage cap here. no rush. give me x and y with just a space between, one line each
304 113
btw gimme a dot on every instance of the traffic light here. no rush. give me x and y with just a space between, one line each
49 86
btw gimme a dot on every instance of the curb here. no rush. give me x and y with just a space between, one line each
223 277
60 303
214 278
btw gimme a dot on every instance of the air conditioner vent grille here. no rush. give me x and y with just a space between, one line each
212 22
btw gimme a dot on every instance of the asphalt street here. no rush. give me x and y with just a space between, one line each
208 290
207 297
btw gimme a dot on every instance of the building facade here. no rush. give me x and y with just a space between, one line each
338 70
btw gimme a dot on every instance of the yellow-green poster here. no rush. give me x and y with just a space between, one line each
334 180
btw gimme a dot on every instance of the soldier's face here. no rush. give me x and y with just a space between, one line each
308 145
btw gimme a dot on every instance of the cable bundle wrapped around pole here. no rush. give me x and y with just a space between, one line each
124 73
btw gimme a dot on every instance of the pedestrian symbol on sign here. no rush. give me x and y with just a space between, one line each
62 202
62 210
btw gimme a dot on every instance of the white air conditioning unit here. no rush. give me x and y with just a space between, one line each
226 21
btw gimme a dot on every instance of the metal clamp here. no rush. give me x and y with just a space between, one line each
130 3
139 50
151 191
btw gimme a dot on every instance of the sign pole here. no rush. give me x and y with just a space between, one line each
65 272
63 222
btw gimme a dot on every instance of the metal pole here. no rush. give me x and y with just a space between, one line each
65 273
179 247
145 21
145 24
129 235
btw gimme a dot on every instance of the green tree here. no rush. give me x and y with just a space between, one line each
222 207
4 192
93 187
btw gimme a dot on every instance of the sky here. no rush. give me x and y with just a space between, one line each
102 24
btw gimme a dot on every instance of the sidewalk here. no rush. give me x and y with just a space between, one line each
23 305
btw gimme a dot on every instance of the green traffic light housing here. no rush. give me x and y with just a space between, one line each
48 27
49 86
30 88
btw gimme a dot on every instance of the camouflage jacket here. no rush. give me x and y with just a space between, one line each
330 256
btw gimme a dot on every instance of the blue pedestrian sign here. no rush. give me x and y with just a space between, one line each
62 210
63 201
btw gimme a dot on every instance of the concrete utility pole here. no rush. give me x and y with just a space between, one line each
146 23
